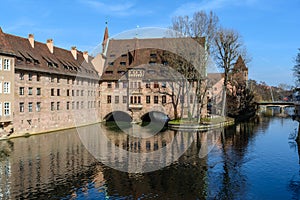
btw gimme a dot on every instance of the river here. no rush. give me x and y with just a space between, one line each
253 160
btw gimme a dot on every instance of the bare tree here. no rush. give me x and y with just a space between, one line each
228 48
201 25
296 69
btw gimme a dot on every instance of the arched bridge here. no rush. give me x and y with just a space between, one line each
262 106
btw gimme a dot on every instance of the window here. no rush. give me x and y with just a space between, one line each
156 99
73 93
0 66
21 76
77 92
58 92
30 107
148 99
58 79
52 91
52 106
156 85
131 100
6 87
82 105
21 90
30 77
191 99
68 105
111 63
68 92
73 105
109 85
51 79
38 106
125 84
108 99
82 93
163 85
30 91
181 99
116 99
122 63
57 105
164 99
6 65
116 84
124 99
6 108
153 55
38 91
38 77
21 106
148 85
77 105
139 100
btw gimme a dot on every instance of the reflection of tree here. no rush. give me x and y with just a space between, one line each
234 142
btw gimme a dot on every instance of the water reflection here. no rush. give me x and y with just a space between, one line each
58 165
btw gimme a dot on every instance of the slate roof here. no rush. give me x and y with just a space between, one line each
40 59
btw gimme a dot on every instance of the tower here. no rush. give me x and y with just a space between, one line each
105 38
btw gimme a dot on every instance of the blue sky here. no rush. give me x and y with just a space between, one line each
270 29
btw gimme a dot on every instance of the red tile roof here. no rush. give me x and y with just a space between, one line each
41 59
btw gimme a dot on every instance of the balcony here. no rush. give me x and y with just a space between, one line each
135 106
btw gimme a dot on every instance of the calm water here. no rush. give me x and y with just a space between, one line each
254 160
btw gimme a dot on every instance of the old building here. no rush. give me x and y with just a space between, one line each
45 87
139 77
7 65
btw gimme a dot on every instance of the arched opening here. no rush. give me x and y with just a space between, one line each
156 117
118 116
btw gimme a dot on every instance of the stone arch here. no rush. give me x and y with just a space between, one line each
118 116
155 116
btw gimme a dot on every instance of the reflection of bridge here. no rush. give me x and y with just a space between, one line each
281 104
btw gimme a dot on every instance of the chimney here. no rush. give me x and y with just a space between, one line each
50 45
31 40
74 52
86 56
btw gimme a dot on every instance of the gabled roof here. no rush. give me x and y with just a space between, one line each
40 59
134 52
240 65
4 44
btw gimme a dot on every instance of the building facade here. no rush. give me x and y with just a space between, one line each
45 87
139 77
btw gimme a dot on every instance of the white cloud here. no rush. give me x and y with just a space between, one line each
119 8
191 7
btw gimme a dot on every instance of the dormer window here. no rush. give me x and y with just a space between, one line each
153 55
124 55
111 63
109 72
123 63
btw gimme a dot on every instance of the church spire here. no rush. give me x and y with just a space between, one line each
105 38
